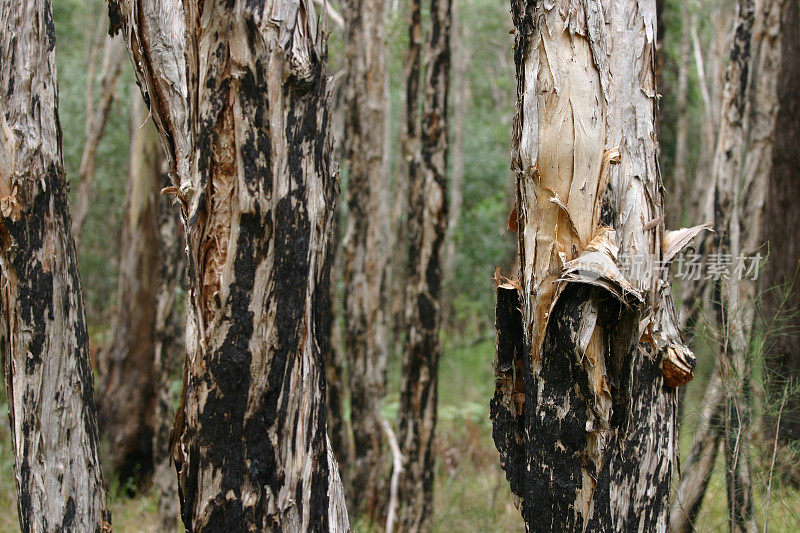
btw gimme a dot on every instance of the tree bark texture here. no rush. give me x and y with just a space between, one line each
409 169
44 338
365 254
427 228
127 383
779 229
239 94
588 348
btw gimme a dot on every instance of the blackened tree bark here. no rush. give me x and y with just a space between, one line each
779 229
427 227
238 91
44 338
588 349
409 169
365 253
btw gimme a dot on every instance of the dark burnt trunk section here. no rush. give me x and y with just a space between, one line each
427 227
780 222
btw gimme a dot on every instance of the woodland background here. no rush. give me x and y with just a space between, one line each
471 493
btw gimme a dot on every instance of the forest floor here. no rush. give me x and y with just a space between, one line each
471 493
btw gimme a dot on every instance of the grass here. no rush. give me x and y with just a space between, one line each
471 493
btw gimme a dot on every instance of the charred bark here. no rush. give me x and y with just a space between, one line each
44 338
239 93
427 227
365 257
408 173
584 411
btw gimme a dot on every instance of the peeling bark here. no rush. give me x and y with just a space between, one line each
365 256
426 230
584 412
239 93
44 337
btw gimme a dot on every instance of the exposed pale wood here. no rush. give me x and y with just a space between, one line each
588 345
44 339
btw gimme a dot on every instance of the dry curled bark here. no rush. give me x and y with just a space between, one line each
426 230
239 93
44 338
588 348
365 254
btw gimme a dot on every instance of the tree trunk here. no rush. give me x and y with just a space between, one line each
588 348
427 227
238 91
96 120
678 182
127 394
779 229
135 406
365 255
44 337
743 156
410 168
461 99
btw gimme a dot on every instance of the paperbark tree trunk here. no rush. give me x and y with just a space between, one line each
127 382
588 348
238 91
779 229
365 254
409 171
44 338
678 180
427 227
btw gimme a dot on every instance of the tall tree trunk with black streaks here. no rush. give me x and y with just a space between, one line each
44 338
409 169
238 91
427 227
780 231
126 393
588 349
365 254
